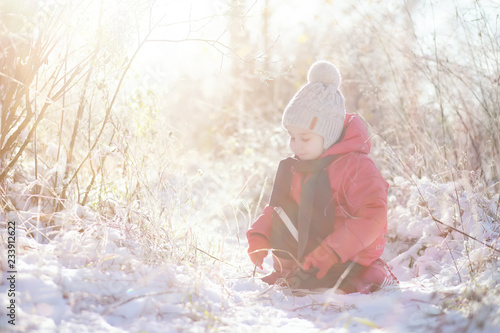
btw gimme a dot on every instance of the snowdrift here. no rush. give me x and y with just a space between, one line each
83 272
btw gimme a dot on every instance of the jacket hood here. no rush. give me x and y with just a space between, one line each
355 138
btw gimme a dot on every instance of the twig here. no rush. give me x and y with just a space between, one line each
460 232
211 256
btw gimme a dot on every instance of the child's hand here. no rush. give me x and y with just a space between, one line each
258 258
257 249
322 258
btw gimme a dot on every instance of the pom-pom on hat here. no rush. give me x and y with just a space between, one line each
319 106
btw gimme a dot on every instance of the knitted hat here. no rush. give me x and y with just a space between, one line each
319 106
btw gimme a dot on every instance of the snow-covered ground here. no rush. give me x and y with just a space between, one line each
107 275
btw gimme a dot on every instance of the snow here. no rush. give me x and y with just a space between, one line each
98 275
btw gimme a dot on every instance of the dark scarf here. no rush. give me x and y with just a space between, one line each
311 170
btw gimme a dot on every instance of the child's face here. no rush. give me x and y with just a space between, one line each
305 144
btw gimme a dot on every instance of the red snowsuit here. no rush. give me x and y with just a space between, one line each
360 195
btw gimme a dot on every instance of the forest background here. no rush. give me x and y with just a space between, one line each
165 116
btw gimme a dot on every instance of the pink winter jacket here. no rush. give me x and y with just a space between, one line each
360 195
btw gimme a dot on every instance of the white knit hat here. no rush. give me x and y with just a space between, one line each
319 106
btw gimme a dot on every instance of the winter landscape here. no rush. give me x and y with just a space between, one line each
139 140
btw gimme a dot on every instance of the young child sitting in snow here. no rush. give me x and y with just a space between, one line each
327 214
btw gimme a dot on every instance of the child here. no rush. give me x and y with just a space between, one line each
327 214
